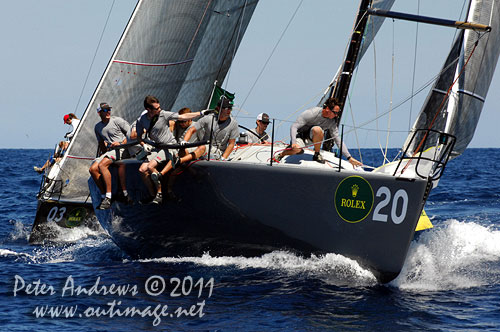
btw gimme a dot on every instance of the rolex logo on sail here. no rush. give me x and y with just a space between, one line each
354 199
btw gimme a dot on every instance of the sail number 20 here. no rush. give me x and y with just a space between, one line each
399 205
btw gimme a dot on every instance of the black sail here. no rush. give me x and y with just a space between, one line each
461 111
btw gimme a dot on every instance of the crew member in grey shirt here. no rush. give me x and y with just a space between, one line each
179 129
310 126
262 123
110 132
225 130
156 123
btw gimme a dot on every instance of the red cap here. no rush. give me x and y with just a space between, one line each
66 118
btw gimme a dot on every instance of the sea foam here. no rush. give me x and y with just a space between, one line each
454 255
331 268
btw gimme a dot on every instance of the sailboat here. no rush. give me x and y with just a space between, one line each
169 49
316 208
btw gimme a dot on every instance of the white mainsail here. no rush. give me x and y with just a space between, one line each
459 114
172 49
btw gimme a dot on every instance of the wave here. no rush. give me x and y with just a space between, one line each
331 268
10 253
455 255
65 245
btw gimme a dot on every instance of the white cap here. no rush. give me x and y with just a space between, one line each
263 117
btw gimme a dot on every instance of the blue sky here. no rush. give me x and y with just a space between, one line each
48 47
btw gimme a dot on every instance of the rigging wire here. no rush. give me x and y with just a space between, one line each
414 67
333 85
324 92
236 42
353 123
95 55
197 29
240 18
376 90
404 101
376 94
392 95
439 109
269 58
238 25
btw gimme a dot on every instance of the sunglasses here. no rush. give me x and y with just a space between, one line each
105 110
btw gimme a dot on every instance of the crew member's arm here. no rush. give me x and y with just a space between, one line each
265 139
294 128
192 115
229 149
112 145
190 132
293 138
139 128
133 133
343 148
102 147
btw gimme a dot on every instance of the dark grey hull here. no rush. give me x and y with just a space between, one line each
53 214
231 208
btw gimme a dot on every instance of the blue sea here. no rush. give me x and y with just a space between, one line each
83 282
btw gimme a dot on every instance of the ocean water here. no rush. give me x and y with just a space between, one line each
450 282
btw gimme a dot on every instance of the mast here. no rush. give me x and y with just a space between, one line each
342 87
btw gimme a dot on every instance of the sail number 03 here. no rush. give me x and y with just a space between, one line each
397 217
56 214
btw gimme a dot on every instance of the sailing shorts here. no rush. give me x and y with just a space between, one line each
115 155
134 150
304 138
162 156
303 142
215 153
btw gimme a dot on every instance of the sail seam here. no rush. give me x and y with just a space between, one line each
152 64
79 157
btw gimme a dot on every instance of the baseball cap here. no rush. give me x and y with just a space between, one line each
66 118
225 103
263 117
103 106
